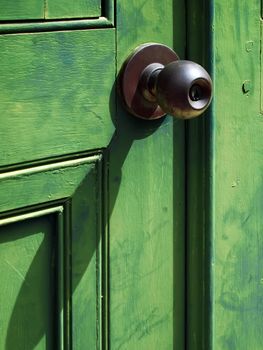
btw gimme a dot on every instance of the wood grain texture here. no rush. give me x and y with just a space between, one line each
60 25
58 98
86 250
42 186
77 263
27 253
147 214
55 95
199 182
232 176
238 191
21 9
49 9
72 9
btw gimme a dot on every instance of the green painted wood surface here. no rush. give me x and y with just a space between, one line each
49 182
238 192
226 152
87 261
72 9
78 278
123 221
21 9
27 253
199 161
58 94
48 9
147 201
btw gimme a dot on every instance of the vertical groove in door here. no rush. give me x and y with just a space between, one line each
66 224
199 186
179 187
105 251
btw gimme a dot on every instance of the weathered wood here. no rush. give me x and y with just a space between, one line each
228 228
147 213
51 26
72 8
238 244
21 9
58 102
49 9
43 280
27 316
55 95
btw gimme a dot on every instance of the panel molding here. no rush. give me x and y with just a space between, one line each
51 166
31 215
32 111
82 175
107 20
62 279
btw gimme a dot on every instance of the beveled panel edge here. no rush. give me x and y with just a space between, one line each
62 209
51 166
261 62
50 26
108 10
31 215
62 249
101 259
105 21
103 221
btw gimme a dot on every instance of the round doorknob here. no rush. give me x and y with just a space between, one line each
154 82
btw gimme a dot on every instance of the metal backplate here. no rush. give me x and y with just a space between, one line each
130 75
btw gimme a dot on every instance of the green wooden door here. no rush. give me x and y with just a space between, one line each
225 174
91 200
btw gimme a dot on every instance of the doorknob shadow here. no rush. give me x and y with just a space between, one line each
30 319
127 130
35 312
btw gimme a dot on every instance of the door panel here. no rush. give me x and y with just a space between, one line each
56 91
237 276
65 261
27 261
72 9
19 10
113 185
49 9
146 201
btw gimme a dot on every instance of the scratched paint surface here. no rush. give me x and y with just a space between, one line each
61 102
27 288
72 8
58 95
48 9
146 227
238 186
225 150
236 172
84 274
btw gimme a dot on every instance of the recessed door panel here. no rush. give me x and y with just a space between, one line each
28 288
51 258
72 9
21 9
55 97
17 10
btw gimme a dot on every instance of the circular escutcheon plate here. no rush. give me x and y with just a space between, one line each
130 75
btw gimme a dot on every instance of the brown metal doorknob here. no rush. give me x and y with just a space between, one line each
154 82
